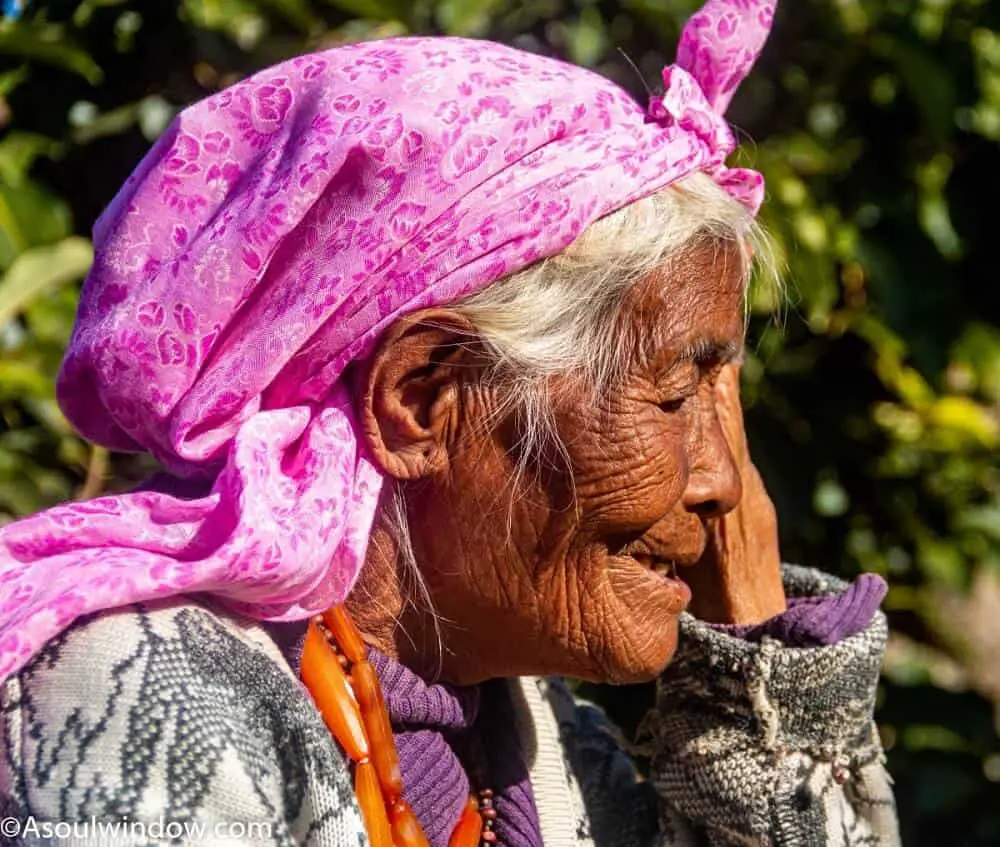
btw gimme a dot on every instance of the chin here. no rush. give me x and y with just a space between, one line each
642 623
628 665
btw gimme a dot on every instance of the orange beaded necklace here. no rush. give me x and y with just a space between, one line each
343 684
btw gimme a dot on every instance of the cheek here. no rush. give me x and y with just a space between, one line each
631 470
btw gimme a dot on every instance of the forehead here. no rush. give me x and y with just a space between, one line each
693 299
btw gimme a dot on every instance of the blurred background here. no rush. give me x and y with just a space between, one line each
872 390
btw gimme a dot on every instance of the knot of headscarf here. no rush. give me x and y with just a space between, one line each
684 104
266 242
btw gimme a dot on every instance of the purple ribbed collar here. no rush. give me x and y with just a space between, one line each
443 734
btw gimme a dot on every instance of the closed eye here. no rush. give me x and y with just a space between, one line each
673 405
681 385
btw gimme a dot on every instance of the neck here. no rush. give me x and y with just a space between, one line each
389 611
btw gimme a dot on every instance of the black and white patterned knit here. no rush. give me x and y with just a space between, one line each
180 714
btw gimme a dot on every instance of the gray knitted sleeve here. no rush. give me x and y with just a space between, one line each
762 744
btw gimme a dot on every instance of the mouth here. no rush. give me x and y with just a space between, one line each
664 571
663 567
664 562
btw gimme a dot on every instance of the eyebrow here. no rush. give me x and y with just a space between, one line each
706 351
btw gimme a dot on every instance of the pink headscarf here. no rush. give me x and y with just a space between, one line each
269 238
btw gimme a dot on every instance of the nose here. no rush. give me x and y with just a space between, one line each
714 486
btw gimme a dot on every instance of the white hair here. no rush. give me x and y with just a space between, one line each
563 315
559 315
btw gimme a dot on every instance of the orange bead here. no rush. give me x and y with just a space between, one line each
406 831
369 794
469 828
345 633
330 690
376 719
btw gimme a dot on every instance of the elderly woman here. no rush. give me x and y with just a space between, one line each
438 342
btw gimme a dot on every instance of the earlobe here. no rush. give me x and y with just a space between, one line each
410 405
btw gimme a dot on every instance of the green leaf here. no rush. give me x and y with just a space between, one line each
296 12
49 320
967 419
240 20
49 43
85 11
979 350
382 10
461 17
20 379
39 269
29 216
113 122
18 152
929 83
981 519
27 486
9 80
587 39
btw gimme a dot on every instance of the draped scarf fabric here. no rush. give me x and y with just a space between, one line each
268 239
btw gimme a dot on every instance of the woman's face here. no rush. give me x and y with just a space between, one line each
564 565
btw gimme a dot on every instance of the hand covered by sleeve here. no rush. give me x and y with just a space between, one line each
758 742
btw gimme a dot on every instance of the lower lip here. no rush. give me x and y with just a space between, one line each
681 590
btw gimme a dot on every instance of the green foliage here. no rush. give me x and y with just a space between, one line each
873 399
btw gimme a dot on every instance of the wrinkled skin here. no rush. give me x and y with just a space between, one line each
563 569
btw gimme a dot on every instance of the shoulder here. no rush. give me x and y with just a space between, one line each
174 708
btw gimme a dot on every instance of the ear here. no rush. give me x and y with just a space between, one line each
411 402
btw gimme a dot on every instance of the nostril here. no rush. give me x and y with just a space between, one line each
709 509
711 493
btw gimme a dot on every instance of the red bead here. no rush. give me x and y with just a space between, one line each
369 794
406 831
330 690
376 718
489 837
345 633
469 827
488 814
